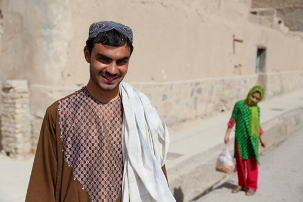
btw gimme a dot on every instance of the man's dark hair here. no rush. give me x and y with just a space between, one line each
110 38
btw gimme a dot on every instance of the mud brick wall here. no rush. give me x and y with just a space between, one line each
15 119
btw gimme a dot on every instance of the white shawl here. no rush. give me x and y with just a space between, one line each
145 145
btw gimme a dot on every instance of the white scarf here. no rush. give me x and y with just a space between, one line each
145 145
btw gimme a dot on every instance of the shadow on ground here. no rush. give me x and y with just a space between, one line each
178 194
229 185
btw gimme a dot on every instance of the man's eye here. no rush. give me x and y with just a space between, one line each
104 60
120 62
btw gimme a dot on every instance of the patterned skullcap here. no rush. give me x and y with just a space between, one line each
104 26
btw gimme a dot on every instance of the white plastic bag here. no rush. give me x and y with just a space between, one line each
225 162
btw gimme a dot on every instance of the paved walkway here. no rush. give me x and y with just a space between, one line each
14 176
187 140
280 176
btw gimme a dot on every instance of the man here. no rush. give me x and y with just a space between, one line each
104 142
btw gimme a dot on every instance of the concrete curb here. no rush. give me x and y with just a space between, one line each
190 179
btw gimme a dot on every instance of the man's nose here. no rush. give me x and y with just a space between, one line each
112 68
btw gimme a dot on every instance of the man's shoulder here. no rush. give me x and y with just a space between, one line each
72 95
55 105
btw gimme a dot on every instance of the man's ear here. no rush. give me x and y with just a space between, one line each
86 54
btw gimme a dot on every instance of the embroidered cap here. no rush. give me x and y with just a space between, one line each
104 26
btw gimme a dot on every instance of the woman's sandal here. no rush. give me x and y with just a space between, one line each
250 192
236 190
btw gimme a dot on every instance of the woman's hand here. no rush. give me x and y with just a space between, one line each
263 144
226 139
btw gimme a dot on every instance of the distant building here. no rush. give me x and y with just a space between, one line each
192 58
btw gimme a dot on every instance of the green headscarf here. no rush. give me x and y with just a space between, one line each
254 117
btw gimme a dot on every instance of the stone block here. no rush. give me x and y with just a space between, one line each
18 86
15 123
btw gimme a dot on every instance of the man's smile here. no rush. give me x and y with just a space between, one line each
110 78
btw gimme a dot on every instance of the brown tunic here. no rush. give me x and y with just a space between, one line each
79 153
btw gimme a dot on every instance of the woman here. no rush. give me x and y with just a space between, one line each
246 115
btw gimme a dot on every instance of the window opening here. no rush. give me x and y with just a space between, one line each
261 60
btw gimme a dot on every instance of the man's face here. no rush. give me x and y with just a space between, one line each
108 65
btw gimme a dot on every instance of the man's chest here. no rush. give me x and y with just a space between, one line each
91 135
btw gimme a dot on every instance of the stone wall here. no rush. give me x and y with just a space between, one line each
283 82
292 18
16 137
290 11
187 100
276 3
